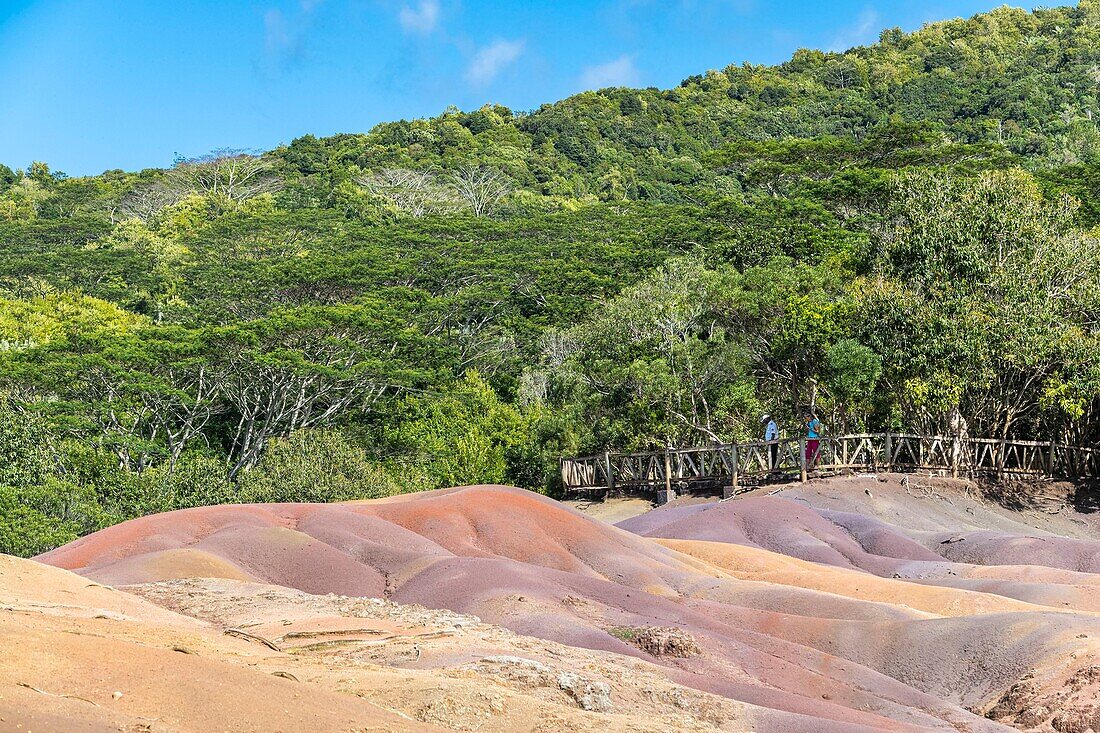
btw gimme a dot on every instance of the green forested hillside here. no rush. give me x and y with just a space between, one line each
899 234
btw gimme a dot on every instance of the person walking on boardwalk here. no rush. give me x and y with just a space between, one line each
814 430
771 437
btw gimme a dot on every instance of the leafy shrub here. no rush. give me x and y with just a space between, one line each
35 519
317 465
24 458
464 436
197 480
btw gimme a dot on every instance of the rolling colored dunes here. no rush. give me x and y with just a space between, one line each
800 609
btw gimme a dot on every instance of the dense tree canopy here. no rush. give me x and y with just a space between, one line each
898 234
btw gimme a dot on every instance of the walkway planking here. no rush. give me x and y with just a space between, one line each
724 466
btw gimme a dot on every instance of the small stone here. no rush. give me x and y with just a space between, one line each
593 696
116 694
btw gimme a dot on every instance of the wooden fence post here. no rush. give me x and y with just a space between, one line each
956 450
1001 460
889 451
731 490
667 495
607 472
802 459
1053 456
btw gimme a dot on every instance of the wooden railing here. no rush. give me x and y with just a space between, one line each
725 466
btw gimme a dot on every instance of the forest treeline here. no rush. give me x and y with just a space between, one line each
903 235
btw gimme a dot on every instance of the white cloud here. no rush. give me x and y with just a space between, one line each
279 38
284 35
489 61
859 33
423 19
618 73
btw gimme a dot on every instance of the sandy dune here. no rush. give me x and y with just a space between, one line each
807 610
78 656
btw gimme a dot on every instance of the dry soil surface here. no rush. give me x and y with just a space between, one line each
875 603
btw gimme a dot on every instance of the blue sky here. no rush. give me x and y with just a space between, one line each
90 85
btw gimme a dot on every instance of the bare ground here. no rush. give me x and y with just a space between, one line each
867 603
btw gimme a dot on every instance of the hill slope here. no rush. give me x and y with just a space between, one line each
908 647
1023 80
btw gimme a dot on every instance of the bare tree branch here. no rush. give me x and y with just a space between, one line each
145 202
481 187
235 175
415 193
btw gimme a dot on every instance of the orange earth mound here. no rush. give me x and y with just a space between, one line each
798 609
234 655
80 656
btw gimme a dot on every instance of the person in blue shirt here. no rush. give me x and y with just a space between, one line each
814 430
771 436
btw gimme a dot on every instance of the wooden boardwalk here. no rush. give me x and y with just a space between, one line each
726 467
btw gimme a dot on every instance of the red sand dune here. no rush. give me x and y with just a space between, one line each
802 610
